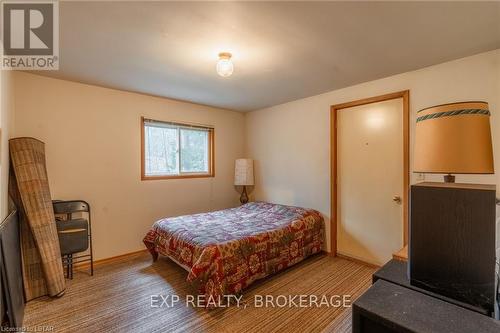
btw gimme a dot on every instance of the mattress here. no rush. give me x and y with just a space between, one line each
225 251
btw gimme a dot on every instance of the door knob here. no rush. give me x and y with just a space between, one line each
396 199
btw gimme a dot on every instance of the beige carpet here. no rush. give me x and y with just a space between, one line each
118 299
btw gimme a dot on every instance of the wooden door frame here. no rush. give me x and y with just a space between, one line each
405 94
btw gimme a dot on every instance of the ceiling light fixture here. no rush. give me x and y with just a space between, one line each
224 65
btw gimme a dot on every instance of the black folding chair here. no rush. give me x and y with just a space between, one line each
75 234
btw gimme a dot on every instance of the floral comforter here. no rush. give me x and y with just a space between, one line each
225 251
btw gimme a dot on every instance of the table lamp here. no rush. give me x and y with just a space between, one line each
452 226
243 176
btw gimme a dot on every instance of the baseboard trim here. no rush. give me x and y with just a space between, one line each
360 261
105 261
331 253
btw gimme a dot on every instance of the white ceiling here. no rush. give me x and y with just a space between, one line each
282 51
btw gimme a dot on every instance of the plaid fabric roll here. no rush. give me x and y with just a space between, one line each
29 187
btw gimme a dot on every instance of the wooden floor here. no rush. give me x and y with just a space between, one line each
118 299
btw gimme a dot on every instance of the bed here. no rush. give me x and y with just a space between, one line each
225 251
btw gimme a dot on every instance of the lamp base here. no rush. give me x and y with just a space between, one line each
449 178
244 196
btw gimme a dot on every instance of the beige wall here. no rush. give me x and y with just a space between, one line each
92 138
6 123
291 142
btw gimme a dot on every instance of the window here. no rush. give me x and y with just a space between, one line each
174 150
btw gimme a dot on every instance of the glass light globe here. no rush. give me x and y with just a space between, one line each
224 65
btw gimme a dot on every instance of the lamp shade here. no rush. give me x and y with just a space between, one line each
454 138
243 172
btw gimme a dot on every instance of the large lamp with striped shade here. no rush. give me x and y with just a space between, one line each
454 138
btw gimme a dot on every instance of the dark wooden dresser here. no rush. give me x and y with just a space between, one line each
452 241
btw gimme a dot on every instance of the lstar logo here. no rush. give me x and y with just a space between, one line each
30 36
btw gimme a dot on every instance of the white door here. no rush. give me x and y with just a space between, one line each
370 181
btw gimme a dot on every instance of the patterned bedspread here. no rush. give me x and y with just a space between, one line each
227 250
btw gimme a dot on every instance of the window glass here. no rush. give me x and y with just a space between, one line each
176 150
